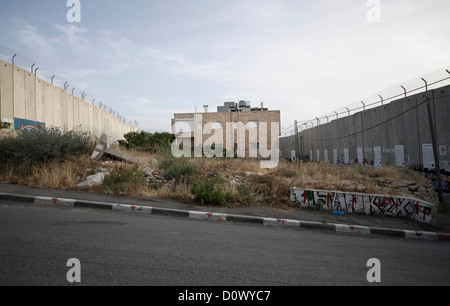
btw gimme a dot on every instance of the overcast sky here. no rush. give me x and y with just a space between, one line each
151 59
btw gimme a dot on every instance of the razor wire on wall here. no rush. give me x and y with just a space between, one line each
12 57
397 133
427 82
31 97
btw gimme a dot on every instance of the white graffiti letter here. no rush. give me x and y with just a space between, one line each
374 14
374 273
74 274
74 14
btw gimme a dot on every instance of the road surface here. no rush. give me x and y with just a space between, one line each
121 249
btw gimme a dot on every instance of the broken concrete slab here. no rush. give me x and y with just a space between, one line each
102 148
122 156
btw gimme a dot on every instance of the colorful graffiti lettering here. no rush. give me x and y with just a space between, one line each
362 203
431 176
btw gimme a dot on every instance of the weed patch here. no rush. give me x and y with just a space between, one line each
208 192
123 180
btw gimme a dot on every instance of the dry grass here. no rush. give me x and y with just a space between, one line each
60 175
269 187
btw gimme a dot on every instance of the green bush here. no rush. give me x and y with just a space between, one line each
209 193
167 160
4 125
181 168
175 167
32 147
147 141
123 181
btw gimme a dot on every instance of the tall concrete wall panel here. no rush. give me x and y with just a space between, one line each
57 110
411 130
372 130
85 116
386 129
6 93
39 101
91 119
30 96
368 134
69 101
19 93
64 109
76 114
441 121
423 122
359 137
98 122
350 140
394 131
339 134
47 100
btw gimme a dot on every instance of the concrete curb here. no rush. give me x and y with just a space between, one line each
202 215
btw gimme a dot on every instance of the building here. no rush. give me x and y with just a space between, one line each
251 130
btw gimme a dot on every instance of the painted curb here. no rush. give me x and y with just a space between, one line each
202 215
54 201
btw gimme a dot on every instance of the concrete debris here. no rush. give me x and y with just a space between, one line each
147 171
92 180
248 173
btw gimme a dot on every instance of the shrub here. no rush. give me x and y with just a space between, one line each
176 167
123 181
209 193
4 125
147 141
33 147
167 160
181 168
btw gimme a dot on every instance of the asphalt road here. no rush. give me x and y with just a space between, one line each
121 249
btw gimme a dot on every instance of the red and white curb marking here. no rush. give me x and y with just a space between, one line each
54 201
421 235
344 228
281 222
132 208
207 216
138 209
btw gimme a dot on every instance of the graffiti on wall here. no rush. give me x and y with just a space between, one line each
24 124
430 174
359 203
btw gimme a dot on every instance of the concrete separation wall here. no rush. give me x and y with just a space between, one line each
359 203
23 96
220 217
393 133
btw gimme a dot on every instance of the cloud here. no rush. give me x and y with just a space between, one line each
72 34
29 36
115 47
